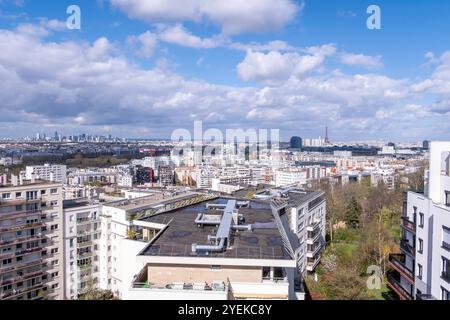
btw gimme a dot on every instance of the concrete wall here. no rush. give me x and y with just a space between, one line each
164 274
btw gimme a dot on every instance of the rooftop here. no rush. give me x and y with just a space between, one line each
263 242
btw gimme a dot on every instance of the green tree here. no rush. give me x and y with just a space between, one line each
353 213
94 293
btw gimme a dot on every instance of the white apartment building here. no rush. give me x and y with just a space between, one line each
204 176
81 246
47 172
290 176
198 246
422 270
307 222
123 235
31 260
125 180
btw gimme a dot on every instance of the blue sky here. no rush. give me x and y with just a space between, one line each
143 68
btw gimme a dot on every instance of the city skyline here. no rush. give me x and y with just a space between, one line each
144 71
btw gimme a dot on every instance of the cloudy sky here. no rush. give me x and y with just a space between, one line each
142 68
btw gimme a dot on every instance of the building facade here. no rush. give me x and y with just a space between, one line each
81 246
47 172
31 251
422 269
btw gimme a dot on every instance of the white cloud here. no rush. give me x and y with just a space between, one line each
79 85
147 43
180 36
232 16
361 60
273 67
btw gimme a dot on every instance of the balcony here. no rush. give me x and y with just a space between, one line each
21 226
21 265
25 277
29 238
13 294
407 248
313 227
408 225
84 244
397 261
312 264
445 245
425 297
445 275
394 283
313 237
314 252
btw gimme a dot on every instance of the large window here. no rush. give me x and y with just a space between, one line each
445 269
446 238
420 246
421 220
445 294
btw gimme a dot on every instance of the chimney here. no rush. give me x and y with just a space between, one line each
52 177
4 179
21 180
33 178
14 180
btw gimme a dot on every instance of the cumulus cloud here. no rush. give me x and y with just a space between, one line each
361 60
232 16
273 67
74 85
179 35
146 42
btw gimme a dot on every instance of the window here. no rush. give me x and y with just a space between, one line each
18 194
419 271
421 220
6 195
54 227
43 192
445 269
445 294
446 238
7 261
447 198
54 191
55 286
420 246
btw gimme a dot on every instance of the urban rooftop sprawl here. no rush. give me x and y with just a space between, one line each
227 225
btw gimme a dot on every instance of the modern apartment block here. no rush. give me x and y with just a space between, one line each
123 235
47 172
199 246
422 270
81 246
31 261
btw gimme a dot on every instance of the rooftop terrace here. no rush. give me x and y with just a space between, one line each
263 242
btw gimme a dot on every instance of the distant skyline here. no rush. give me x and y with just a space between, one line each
143 68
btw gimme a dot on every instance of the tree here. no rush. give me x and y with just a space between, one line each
353 213
94 293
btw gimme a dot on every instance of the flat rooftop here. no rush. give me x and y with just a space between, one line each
264 242
28 183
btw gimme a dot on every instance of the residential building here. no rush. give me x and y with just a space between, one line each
290 176
81 246
31 258
47 172
422 269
